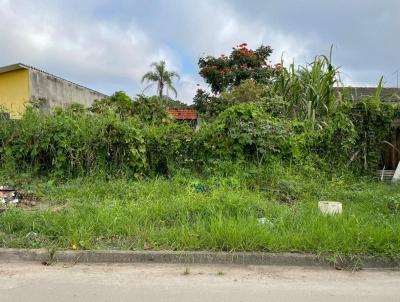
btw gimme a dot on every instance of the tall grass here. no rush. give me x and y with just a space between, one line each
215 213
309 89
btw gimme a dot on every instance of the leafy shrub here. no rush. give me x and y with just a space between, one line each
372 120
6 128
150 109
147 109
331 144
74 109
204 103
66 145
168 146
119 103
249 91
243 132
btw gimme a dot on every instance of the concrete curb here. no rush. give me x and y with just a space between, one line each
17 255
187 258
115 256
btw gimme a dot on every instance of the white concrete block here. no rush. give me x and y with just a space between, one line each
330 207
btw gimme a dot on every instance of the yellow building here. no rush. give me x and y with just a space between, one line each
20 83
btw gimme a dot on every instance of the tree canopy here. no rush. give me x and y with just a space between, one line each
161 77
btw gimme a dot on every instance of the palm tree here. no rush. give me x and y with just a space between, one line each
162 77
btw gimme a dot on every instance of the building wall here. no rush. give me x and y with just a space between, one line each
14 91
58 92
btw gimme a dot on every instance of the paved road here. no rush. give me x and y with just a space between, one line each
150 282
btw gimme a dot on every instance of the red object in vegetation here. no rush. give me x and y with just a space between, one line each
278 66
183 114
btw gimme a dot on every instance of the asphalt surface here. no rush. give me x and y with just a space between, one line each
150 282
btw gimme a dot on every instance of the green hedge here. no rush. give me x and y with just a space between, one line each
71 143
67 145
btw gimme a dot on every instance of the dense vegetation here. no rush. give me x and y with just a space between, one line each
217 210
272 142
295 116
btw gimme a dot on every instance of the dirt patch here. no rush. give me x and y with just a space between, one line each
10 197
27 199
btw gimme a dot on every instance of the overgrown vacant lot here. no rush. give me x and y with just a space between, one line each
272 142
217 212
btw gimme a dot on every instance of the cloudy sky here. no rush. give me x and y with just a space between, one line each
109 44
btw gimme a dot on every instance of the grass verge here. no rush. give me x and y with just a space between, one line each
219 213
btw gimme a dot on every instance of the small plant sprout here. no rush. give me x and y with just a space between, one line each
186 271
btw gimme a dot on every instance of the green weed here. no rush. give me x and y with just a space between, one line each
172 214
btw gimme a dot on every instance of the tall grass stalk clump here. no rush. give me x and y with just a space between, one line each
309 89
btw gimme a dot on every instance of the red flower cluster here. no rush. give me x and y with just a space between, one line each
245 53
225 70
278 66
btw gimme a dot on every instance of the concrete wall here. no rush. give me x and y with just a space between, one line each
14 91
59 92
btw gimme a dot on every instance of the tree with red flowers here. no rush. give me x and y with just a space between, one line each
223 72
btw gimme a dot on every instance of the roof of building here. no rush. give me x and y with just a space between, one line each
356 93
183 113
19 66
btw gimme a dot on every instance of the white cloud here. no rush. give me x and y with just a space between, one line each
110 55
108 45
213 27
90 51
